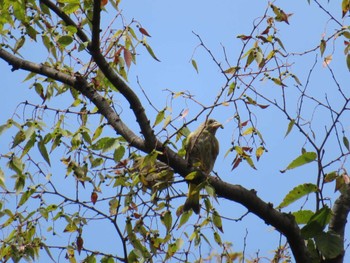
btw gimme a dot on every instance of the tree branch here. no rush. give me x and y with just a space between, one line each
135 104
338 220
284 223
80 33
80 84
96 20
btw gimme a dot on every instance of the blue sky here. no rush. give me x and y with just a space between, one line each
218 23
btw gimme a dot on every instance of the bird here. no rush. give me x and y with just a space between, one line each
202 148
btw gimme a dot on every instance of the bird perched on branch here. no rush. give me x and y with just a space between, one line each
202 148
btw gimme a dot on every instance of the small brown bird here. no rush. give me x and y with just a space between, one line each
202 148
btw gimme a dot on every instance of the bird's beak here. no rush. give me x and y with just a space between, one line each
218 124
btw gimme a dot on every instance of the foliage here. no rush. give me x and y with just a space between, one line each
76 160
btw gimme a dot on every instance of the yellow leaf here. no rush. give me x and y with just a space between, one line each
259 152
327 60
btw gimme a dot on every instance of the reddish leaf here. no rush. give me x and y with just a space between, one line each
266 31
184 113
80 243
144 32
236 162
104 2
244 37
263 106
127 57
117 54
247 149
137 215
94 197
242 124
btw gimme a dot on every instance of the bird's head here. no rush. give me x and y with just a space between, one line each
212 125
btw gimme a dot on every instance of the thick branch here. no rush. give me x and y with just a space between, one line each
96 20
284 223
338 221
81 85
123 88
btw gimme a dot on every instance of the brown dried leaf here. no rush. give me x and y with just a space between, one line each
144 32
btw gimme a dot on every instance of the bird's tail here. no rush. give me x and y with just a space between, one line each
192 201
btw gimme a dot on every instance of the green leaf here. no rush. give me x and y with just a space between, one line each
317 223
217 238
280 43
322 47
184 218
191 176
159 117
19 10
258 57
20 183
329 244
65 40
68 1
71 227
250 59
217 220
167 220
150 51
43 151
97 132
20 137
346 143
25 196
47 43
5 126
194 64
105 144
31 32
296 79
302 216
348 61
90 259
231 70
305 158
86 137
16 165
118 153
330 177
290 127
19 44
278 82
231 88
96 162
29 145
2 179
167 121
249 161
297 193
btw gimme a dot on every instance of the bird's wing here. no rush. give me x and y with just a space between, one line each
190 140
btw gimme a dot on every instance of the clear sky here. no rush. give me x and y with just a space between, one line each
171 25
